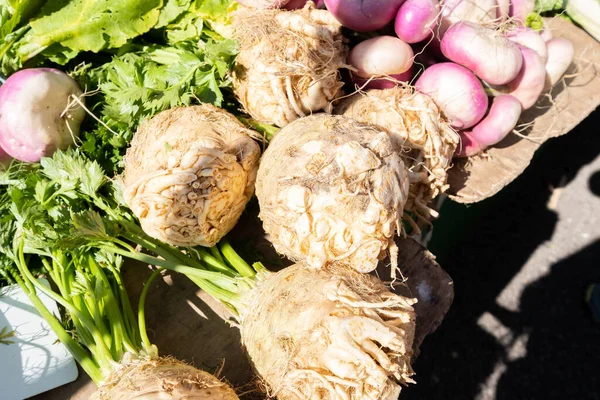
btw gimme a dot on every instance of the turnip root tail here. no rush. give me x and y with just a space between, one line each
189 173
288 62
163 378
329 334
420 133
330 188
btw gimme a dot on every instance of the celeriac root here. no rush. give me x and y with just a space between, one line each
162 378
288 62
328 334
420 133
189 173
330 188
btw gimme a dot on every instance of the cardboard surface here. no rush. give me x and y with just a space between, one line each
477 178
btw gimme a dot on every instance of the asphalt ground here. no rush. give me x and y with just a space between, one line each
519 327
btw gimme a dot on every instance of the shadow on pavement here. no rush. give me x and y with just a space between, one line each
562 359
482 247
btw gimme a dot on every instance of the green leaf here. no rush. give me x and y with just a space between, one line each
90 225
172 10
213 9
21 11
92 25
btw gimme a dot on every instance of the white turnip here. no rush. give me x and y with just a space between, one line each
189 173
381 57
420 134
288 62
458 93
331 188
560 57
364 15
37 114
486 52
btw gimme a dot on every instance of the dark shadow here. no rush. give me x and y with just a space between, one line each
562 359
482 247
594 183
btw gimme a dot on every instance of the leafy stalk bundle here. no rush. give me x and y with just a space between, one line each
56 220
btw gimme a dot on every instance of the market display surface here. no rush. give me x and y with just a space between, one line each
135 135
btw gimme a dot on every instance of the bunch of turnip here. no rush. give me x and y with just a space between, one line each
420 133
288 62
479 48
330 189
515 64
189 173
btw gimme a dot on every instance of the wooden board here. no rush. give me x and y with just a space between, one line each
186 323
477 178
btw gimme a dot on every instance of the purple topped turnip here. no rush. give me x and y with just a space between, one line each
37 114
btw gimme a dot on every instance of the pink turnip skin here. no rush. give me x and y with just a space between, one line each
560 57
32 123
364 15
416 20
468 146
457 92
501 119
520 9
529 83
530 38
486 52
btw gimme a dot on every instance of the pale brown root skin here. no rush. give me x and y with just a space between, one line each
189 173
420 133
331 189
162 379
288 62
328 335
